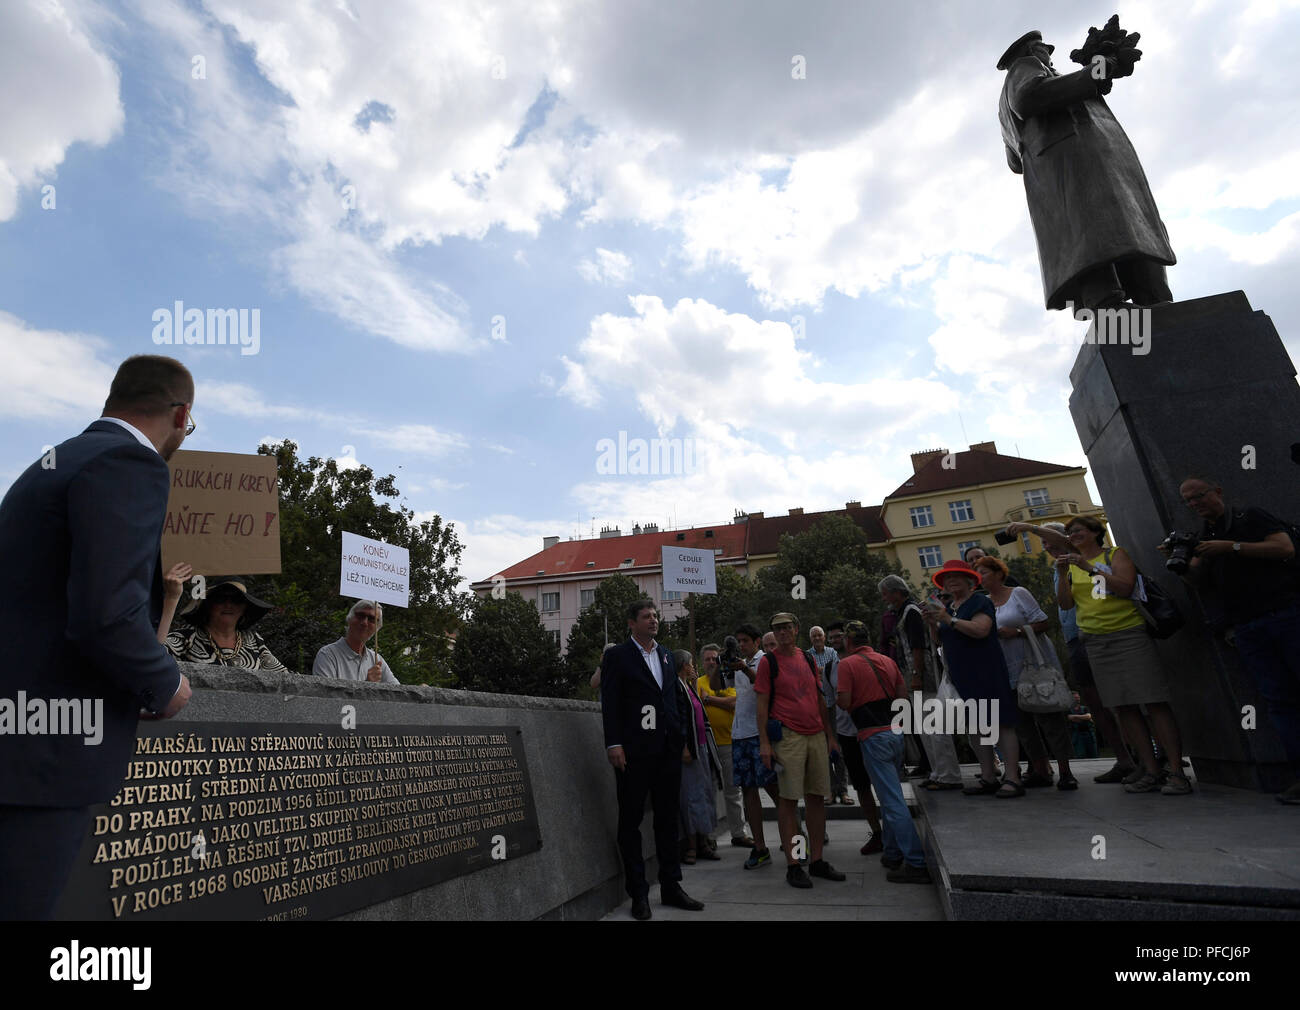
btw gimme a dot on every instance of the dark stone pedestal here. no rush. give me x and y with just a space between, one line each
1216 381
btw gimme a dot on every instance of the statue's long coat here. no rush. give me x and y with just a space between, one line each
1088 197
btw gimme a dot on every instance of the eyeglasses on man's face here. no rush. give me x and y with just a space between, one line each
189 417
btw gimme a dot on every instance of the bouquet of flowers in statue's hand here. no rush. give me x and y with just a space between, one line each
1114 45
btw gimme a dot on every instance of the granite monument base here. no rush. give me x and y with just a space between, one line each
1210 391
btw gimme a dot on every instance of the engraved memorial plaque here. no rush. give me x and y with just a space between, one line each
282 821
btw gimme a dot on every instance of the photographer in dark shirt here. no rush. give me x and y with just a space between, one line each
1245 562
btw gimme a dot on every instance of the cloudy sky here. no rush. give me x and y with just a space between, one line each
482 237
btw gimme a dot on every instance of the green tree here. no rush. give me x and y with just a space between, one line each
586 641
318 501
504 648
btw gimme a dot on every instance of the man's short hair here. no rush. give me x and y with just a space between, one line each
856 632
712 645
361 605
148 383
634 609
973 547
834 626
893 584
750 631
1208 481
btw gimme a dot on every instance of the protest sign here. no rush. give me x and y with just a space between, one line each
374 570
223 514
689 571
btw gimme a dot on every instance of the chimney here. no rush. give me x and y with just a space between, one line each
636 530
985 447
796 512
549 542
740 517
851 505
610 531
650 528
919 459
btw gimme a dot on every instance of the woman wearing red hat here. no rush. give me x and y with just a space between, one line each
978 670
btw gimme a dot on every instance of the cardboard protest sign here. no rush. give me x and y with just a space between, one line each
223 514
689 570
374 570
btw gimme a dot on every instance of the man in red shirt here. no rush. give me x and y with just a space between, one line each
867 686
788 690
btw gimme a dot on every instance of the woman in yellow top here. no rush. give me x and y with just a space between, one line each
1098 584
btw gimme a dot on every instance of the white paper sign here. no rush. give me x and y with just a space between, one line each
687 570
374 570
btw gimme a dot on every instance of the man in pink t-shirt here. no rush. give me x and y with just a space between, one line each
801 756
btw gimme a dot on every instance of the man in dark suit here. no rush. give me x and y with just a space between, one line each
80 530
645 733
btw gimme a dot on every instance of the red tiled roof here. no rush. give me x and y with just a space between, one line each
571 556
765 533
973 467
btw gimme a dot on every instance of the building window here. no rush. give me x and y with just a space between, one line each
587 598
1038 496
555 636
964 545
550 602
961 511
1024 539
931 557
921 516
672 594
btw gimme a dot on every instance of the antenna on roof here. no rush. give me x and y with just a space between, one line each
964 436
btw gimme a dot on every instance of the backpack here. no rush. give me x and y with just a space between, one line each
1160 612
774 727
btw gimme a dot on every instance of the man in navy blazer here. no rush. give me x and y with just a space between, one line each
645 733
80 531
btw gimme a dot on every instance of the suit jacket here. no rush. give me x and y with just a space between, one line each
627 688
83 595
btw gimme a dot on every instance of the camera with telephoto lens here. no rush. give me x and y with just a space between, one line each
730 653
1003 538
1180 546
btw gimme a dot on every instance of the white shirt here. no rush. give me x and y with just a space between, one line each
139 435
651 658
745 723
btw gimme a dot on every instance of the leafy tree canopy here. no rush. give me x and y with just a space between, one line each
503 647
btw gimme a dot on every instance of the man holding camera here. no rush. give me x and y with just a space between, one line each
1245 558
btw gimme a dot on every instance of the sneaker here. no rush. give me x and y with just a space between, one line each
1176 786
743 842
1116 774
1144 783
891 864
757 858
874 845
823 869
1133 776
795 877
909 874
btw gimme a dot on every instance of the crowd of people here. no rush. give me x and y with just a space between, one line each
763 714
